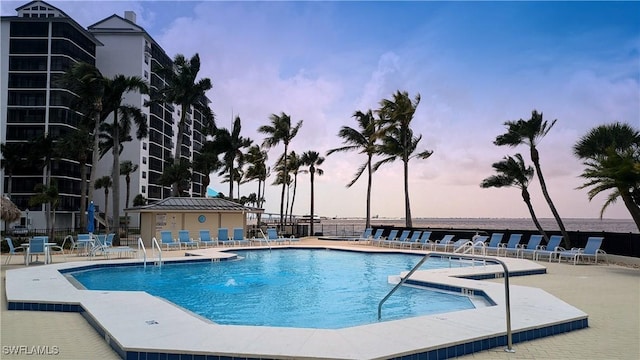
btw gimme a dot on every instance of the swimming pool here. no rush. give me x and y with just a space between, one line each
306 288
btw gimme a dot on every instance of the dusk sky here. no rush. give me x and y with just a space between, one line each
475 64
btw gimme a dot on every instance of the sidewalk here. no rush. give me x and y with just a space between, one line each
609 294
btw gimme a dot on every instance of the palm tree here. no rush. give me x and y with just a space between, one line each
364 141
114 90
105 183
398 141
185 91
12 155
47 195
312 159
42 151
206 162
513 172
530 132
178 175
293 166
612 156
231 144
257 170
77 145
279 131
88 84
127 168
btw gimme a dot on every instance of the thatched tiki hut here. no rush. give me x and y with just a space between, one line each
9 212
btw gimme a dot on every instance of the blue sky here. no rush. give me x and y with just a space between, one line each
475 64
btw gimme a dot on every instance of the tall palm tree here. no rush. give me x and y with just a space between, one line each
231 145
364 141
293 166
114 90
280 131
127 168
184 90
612 156
42 151
312 159
530 132
47 195
12 158
178 175
77 145
257 170
105 183
206 162
398 141
513 172
12 155
88 84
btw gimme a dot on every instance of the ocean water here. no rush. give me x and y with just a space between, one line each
335 226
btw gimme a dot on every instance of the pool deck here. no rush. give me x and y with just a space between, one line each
610 295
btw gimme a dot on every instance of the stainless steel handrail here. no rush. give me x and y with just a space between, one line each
154 245
144 251
468 257
266 238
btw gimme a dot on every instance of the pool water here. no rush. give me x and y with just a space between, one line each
307 288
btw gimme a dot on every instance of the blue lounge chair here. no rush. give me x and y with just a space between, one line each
591 250
404 235
424 241
166 240
185 240
413 240
551 249
377 237
460 245
478 244
532 246
512 246
238 237
444 244
223 237
272 236
494 243
364 237
393 234
13 250
205 238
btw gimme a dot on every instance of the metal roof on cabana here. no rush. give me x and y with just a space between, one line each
192 204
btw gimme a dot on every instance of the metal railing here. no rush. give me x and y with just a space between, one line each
154 246
144 251
468 257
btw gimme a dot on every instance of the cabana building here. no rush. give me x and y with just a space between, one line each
192 214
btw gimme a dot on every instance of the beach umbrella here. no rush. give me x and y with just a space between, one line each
8 210
91 218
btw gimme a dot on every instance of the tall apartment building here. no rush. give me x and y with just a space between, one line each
37 46
125 48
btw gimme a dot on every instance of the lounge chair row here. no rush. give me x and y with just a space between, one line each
483 245
184 240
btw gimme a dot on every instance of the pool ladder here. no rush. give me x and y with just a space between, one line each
509 347
154 245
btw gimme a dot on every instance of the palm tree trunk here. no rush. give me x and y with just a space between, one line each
83 193
293 199
115 175
407 206
535 158
95 157
634 210
284 184
311 233
527 199
175 190
106 209
369 184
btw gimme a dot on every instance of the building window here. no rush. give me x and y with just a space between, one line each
143 189
144 159
146 74
144 174
144 146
